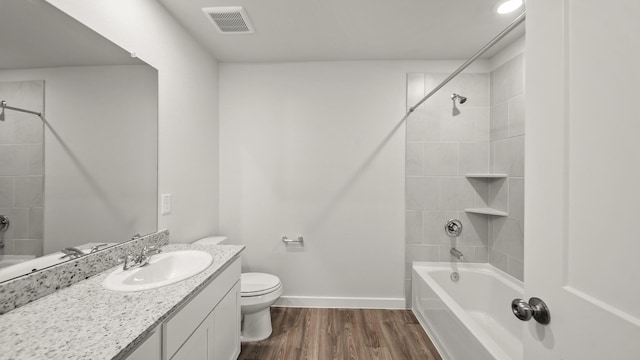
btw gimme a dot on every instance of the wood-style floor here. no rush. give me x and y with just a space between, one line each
342 334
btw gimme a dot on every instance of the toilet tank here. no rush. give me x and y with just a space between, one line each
212 240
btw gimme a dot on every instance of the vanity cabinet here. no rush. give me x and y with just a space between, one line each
217 336
205 328
150 349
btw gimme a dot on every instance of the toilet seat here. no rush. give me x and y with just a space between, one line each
257 284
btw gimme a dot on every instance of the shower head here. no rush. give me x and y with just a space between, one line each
461 99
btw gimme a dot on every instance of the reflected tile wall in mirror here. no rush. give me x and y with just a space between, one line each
22 168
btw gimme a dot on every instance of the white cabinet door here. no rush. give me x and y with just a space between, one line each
179 327
218 336
227 326
583 178
150 349
198 346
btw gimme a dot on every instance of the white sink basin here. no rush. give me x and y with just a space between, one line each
163 269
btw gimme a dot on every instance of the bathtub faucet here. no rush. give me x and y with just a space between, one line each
456 253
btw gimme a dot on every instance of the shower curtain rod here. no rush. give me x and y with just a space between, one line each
3 105
498 37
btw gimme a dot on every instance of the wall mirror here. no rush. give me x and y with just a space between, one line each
84 173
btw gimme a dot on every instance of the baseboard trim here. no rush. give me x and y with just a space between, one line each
341 302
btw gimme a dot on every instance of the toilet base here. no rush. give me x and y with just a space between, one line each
256 326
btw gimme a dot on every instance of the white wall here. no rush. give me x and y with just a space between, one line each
318 149
100 182
188 109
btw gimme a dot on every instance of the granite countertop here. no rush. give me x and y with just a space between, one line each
87 321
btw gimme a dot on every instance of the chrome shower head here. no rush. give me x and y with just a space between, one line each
461 99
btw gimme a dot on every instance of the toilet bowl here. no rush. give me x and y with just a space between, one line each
258 291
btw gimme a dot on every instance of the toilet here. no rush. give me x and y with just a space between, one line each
258 291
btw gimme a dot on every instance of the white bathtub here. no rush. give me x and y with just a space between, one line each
470 319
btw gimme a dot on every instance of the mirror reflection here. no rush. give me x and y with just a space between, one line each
84 172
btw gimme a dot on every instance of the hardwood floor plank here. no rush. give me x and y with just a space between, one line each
342 334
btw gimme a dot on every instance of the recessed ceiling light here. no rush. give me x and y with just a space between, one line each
508 6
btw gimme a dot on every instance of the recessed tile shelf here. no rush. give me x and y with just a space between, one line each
486 211
486 176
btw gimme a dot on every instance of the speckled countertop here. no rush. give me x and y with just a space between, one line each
87 321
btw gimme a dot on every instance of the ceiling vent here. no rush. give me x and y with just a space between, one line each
229 19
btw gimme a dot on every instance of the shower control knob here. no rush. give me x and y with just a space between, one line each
535 308
4 223
453 227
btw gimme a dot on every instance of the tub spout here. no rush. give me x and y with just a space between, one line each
456 253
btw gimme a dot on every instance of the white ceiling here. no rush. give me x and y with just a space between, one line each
34 34
317 30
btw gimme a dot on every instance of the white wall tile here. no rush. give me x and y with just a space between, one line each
516 198
36 223
6 192
499 239
456 194
440 159
30 130
483 126
29 191
433 230
499 195
442 98
474 158
498 260
475 87
13 159
516 116
482 254
19 221
508 156
415 88
35 159
7 128
460 128
414 159
420 253
508 237
423 193
424 124
509 79
413 220
515 268
475 230
499 121
481 197
500 159
492 80
516 150
27 247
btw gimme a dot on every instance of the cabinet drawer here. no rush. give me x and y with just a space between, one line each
178 329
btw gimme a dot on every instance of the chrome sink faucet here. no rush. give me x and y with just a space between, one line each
456 253
132 261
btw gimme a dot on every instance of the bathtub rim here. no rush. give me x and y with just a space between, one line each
476 330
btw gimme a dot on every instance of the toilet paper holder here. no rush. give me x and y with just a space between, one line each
286 240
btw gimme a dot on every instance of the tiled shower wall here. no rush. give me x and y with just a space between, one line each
443 144
483 135
22 168
506 240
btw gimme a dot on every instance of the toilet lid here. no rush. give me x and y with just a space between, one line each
254 284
